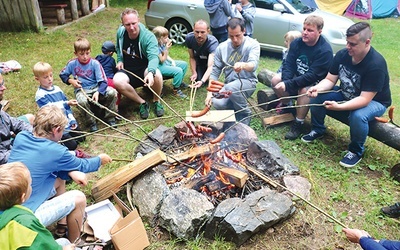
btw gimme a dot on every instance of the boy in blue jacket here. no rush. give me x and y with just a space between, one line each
89 81
50 165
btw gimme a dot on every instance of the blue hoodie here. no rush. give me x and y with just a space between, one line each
219 11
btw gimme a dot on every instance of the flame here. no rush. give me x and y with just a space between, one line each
191 172
224 179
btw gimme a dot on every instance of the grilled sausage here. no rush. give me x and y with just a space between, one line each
200 113
391 112
382 119
216 83
203 129
218 138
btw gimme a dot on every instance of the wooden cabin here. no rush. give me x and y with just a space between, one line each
25 15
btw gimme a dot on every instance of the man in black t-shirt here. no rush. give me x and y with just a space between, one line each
201 47
364 91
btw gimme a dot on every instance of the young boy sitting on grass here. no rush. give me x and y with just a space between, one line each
169 67
89 79
19 228
49 94
109 65
50 165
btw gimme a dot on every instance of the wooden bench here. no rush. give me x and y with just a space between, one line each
386 133
59 9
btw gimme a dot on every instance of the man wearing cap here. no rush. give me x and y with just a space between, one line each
10 127
137 62
201 47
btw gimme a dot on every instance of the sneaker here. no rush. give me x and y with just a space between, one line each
295 131
112 123
392 211
93 127
80 154
350 160
183 85
311 136
158 109
144 110
179 93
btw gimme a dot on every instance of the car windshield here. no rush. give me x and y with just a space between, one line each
300 7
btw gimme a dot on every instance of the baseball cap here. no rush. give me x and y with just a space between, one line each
108 46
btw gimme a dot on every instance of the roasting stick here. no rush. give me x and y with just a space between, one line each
283 98
276 184
159 97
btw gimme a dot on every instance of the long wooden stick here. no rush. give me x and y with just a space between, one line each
275 184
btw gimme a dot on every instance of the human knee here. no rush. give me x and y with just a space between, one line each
357 117
119 79
80 198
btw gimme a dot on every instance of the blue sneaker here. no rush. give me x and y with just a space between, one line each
311 136
350 160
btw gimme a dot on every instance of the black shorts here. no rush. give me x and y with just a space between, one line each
134 81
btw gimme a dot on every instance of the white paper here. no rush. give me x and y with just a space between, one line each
101 217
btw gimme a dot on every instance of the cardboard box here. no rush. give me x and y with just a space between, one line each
101 217
128 233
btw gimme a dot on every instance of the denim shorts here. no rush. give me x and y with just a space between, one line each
57 208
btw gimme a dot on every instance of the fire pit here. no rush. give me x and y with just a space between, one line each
214 188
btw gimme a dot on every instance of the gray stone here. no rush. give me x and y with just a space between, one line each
267 156
184 212
148 193
298 185
163 135
146 147
237 220
239 134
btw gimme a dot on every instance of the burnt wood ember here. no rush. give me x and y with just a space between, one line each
215 185
197 184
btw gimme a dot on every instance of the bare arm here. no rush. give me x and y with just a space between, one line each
358 102
192 63
210 64
326 84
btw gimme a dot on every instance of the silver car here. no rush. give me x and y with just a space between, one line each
273 19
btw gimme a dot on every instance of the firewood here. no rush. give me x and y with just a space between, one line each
104 187
195 151
236 177
278 119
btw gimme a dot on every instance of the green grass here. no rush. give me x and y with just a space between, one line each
354 196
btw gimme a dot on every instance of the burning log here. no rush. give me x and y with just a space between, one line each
236 177
198 183
193 152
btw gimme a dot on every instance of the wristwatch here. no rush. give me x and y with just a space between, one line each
153 72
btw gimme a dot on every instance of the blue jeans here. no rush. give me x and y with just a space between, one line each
238 99
358 119
177 72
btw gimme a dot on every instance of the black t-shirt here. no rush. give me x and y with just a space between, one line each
201 52
134 60
370 75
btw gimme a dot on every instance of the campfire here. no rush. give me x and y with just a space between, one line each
212 187
219 174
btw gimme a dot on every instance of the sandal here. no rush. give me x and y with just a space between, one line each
61 230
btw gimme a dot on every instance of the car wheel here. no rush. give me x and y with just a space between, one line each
178 30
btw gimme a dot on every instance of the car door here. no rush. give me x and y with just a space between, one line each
271 25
